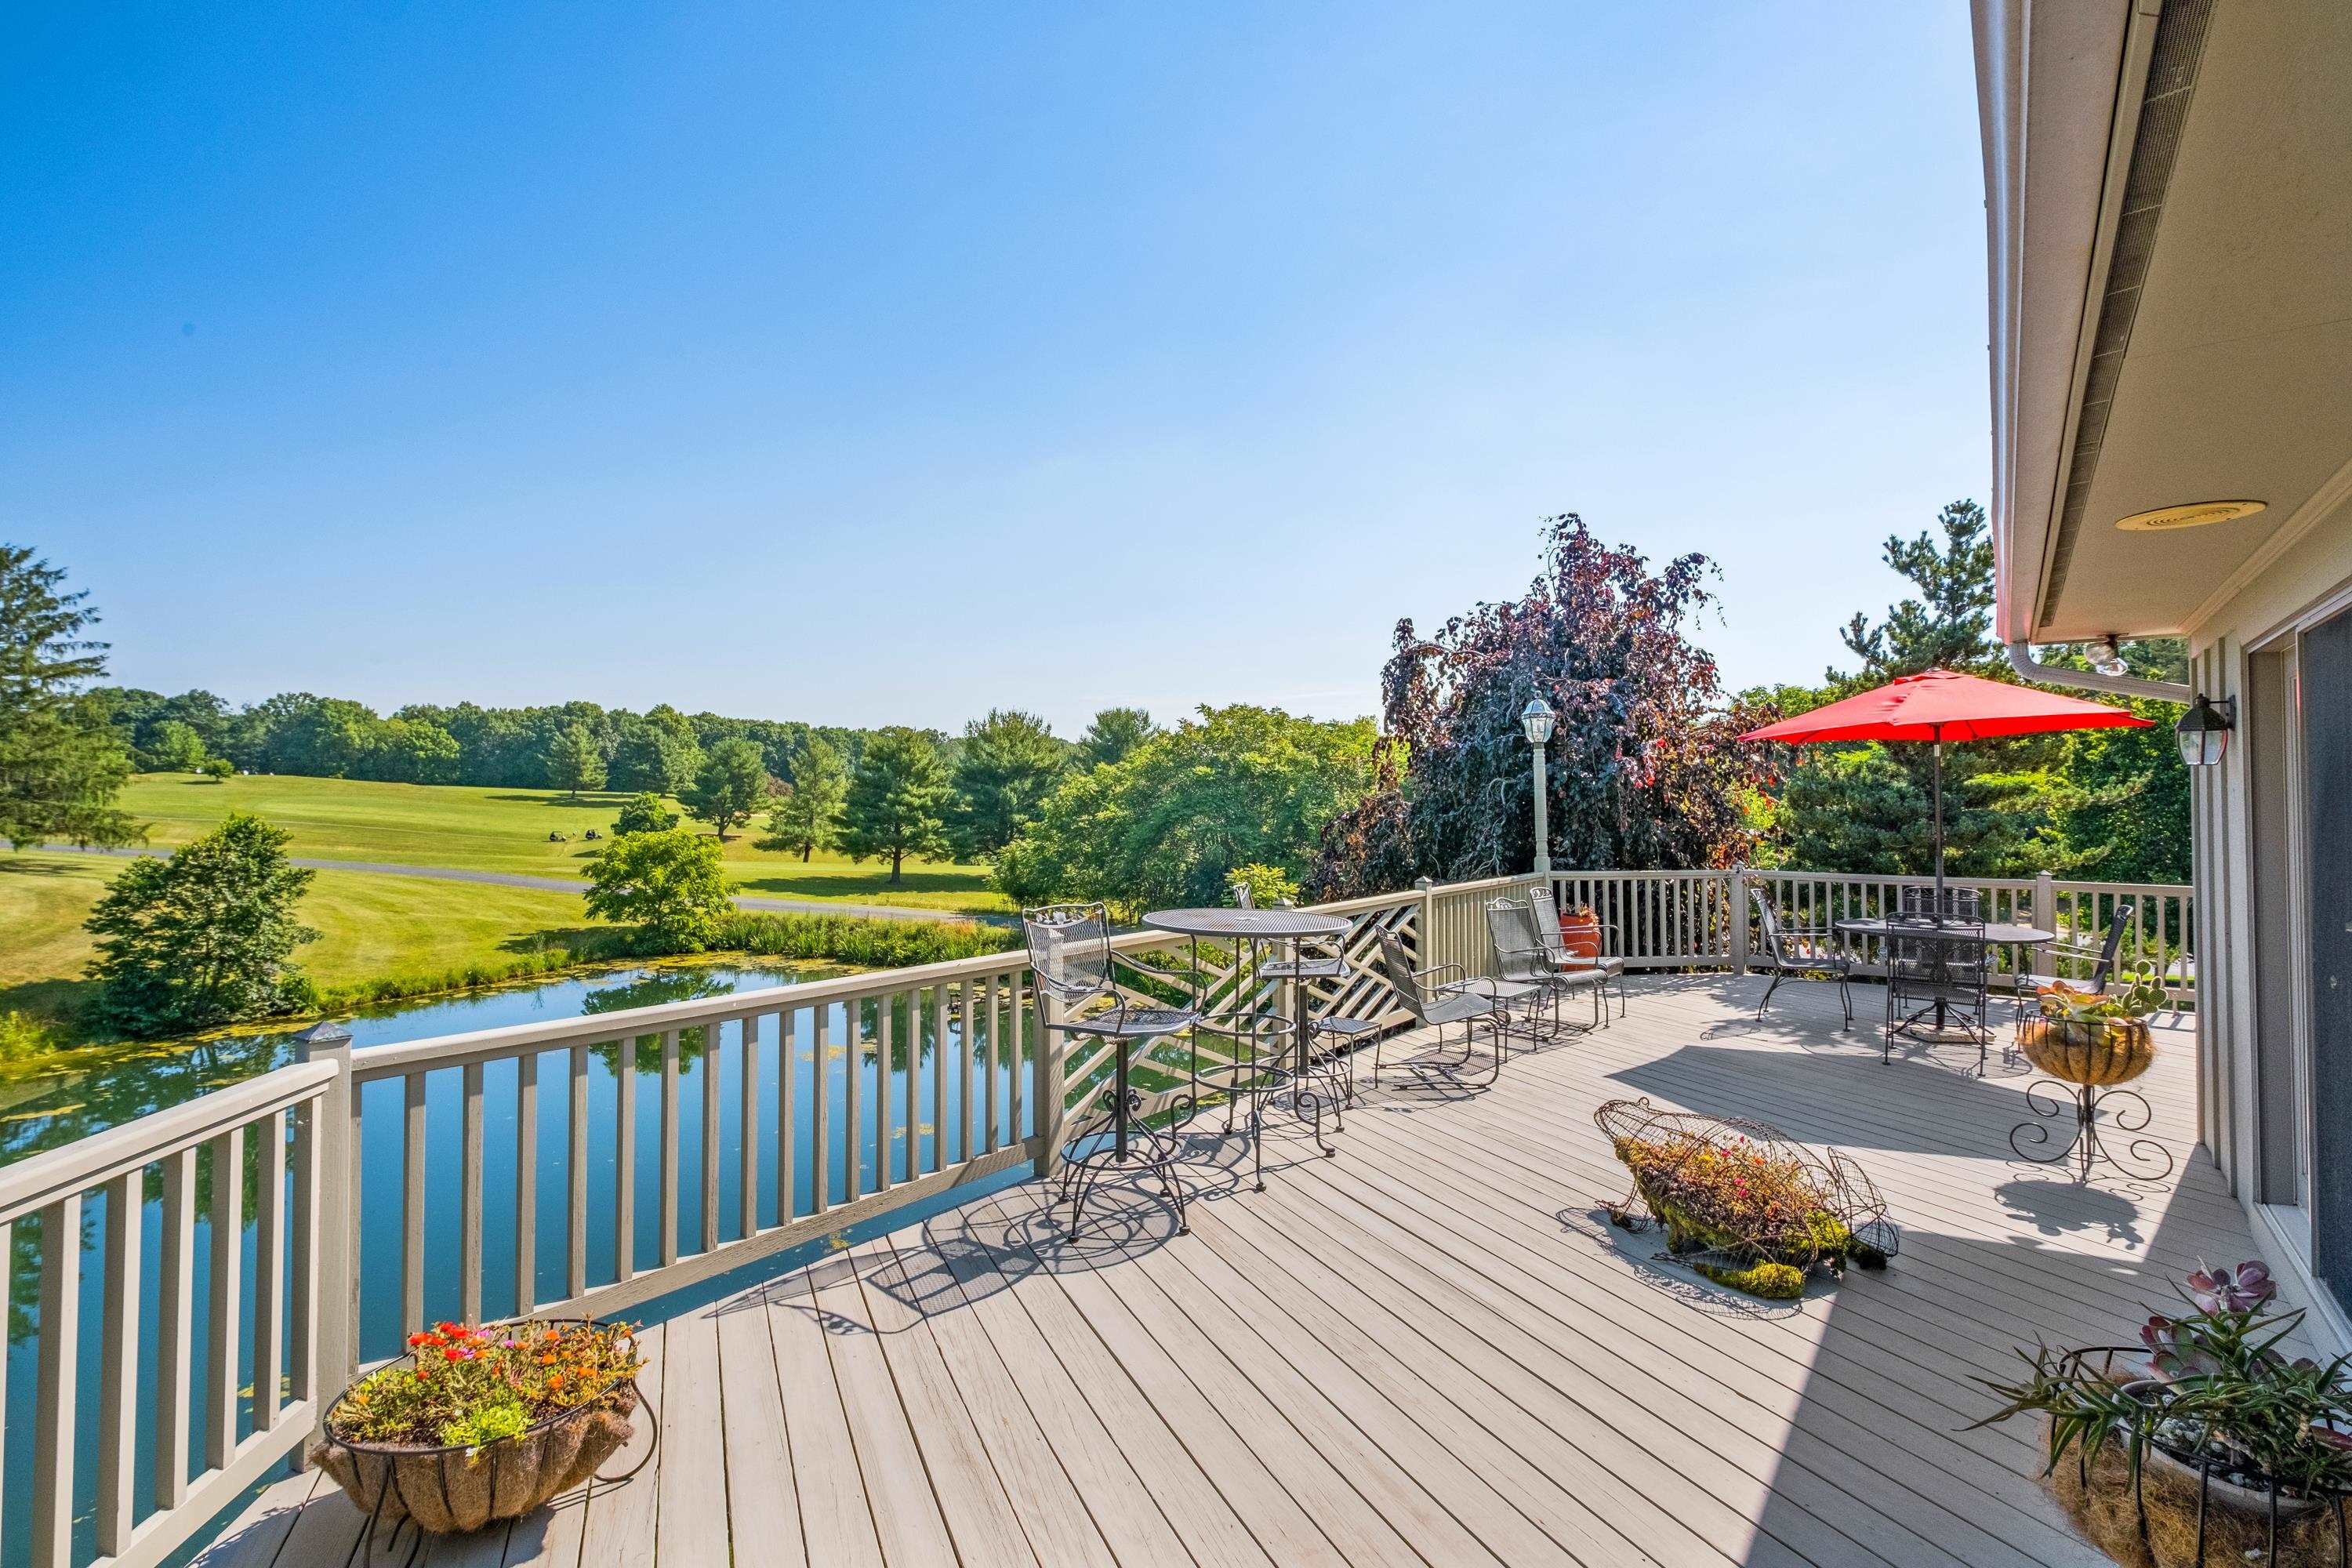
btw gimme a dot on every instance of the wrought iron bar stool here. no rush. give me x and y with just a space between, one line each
1070 957
1323 1077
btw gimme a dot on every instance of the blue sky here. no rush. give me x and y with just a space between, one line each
879 364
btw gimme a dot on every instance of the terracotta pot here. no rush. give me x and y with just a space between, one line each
450 1491
1580 933
2094 1051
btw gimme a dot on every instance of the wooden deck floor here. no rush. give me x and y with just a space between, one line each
1426 1351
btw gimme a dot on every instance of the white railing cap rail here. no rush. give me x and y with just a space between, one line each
450 1050
92 1162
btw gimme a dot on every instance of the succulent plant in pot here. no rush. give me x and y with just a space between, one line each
2218 1448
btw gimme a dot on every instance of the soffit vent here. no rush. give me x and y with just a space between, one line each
2163 114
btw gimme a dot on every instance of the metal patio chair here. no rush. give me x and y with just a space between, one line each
1460 1001
1612 970
1939 967
1800 951
1521 956
1070 959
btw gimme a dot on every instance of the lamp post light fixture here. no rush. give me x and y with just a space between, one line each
2203 732
1537 719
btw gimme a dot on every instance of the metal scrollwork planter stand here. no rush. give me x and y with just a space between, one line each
2085 1061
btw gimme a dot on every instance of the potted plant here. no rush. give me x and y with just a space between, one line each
2217 1449
1742 1206
1580 932
474 1425
2095 1037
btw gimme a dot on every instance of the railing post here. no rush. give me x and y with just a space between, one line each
2045 915
1045 1064
1425 921
1737 915
335 1347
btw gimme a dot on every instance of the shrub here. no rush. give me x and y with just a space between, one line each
644 813
672 884
860 940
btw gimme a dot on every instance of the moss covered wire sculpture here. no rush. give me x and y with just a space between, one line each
1741 1203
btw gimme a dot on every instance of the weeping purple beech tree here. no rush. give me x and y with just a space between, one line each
1645 769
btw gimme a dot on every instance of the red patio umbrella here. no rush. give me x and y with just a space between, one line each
1945 705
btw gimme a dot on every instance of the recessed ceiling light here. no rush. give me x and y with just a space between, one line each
2196 514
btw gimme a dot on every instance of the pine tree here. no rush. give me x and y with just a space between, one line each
1009 763
808 817
574 762
732 783
897 800
61 763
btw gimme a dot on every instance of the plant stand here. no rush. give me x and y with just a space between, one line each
2085 1061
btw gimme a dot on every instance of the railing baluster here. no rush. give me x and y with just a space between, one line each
118 1388
989 1065
787 1166
53 1420
526 1192
820 1104
884 1034
710 1065
669 1194
853 1020
270 1272
227 1268
469 1199
625 1158
1019 1069
939 1075
747 1108
914 1083
411 1203
175 1328
576 1177
302 1364
963 1069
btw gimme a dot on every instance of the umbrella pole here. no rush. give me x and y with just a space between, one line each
1939 827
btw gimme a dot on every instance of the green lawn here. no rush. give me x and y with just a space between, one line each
372 926
506 830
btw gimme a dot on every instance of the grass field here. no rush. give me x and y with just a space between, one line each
377 926
506 830
371 926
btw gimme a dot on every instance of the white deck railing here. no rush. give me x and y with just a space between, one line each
290 1194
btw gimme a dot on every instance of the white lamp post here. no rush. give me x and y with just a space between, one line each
1536 720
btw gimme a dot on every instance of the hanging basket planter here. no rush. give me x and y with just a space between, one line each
2098 1051
516 1458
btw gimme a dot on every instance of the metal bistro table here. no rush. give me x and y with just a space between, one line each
1992 933
1256 929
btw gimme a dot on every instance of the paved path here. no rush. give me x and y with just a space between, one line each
569 885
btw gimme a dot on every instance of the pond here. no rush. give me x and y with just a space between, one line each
146 1079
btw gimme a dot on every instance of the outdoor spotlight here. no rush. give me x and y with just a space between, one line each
2105 658
2204 730
1536 720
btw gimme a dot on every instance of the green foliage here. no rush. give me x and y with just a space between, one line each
1174 821
731 783
220 770
657 753
1771 1281
1115 733
408 751
644 813
1645 766
672 883
1009 763
573 761
475 1382
896 801
808 817
1949 626
489 1424
61 760
1269 885
204 938
1864 807
175 748
2122 803
861 939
